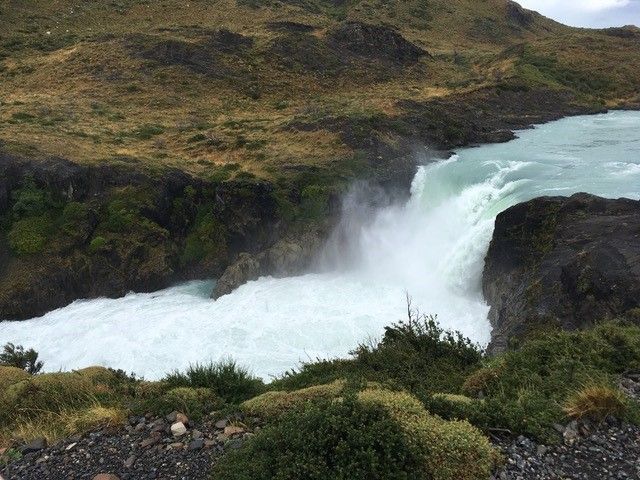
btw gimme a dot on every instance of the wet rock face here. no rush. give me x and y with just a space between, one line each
562 262
288 256
109 230
375 42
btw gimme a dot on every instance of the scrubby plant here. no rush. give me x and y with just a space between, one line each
325 441
319 432
275 403
524 390
194 402
29 235
11 375
449 450
595 401
229 381
16 356
417 355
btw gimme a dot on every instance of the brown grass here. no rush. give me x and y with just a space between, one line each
595 401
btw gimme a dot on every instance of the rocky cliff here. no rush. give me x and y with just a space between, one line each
566 263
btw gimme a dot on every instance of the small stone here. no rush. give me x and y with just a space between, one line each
178 429
233 430
171 418
221 424
196 434
147 442
541 450
196 444
70 446
34 446
210 443
176 445
128 463
106 476
182 418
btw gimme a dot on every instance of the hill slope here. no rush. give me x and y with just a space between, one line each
144 142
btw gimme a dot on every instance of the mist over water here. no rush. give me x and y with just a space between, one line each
432 247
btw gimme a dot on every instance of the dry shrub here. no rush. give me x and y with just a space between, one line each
595 401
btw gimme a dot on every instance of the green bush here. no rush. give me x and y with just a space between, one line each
29 235
524 390
30 201
416 355
16 356
326 432
325 441
276 403
230 382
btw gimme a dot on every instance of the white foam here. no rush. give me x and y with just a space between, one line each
432 247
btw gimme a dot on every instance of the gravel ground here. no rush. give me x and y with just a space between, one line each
145 449
589 452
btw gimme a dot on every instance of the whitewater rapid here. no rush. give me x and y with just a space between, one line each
432 248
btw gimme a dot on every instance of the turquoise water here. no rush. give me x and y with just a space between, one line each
432 248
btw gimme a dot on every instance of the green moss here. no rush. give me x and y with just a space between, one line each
276 403
30 200
314 202
206 240
29 235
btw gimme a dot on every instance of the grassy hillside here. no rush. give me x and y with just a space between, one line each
219 88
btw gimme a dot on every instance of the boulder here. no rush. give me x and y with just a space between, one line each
289 256
377 42
557 262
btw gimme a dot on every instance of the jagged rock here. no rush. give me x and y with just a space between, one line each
287 257
562 262
375 42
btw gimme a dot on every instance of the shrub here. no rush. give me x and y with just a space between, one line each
274 404
50 392
29 235
30 201
524 390
325 441
10 376
321 433
416 355
17 356
449 450
595 401
194 402
230 382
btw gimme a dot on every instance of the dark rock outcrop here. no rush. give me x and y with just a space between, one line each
111 229
289 256
557 262
375 42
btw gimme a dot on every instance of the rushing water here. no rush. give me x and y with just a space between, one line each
432 247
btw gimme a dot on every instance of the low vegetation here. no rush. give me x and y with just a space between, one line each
420 400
